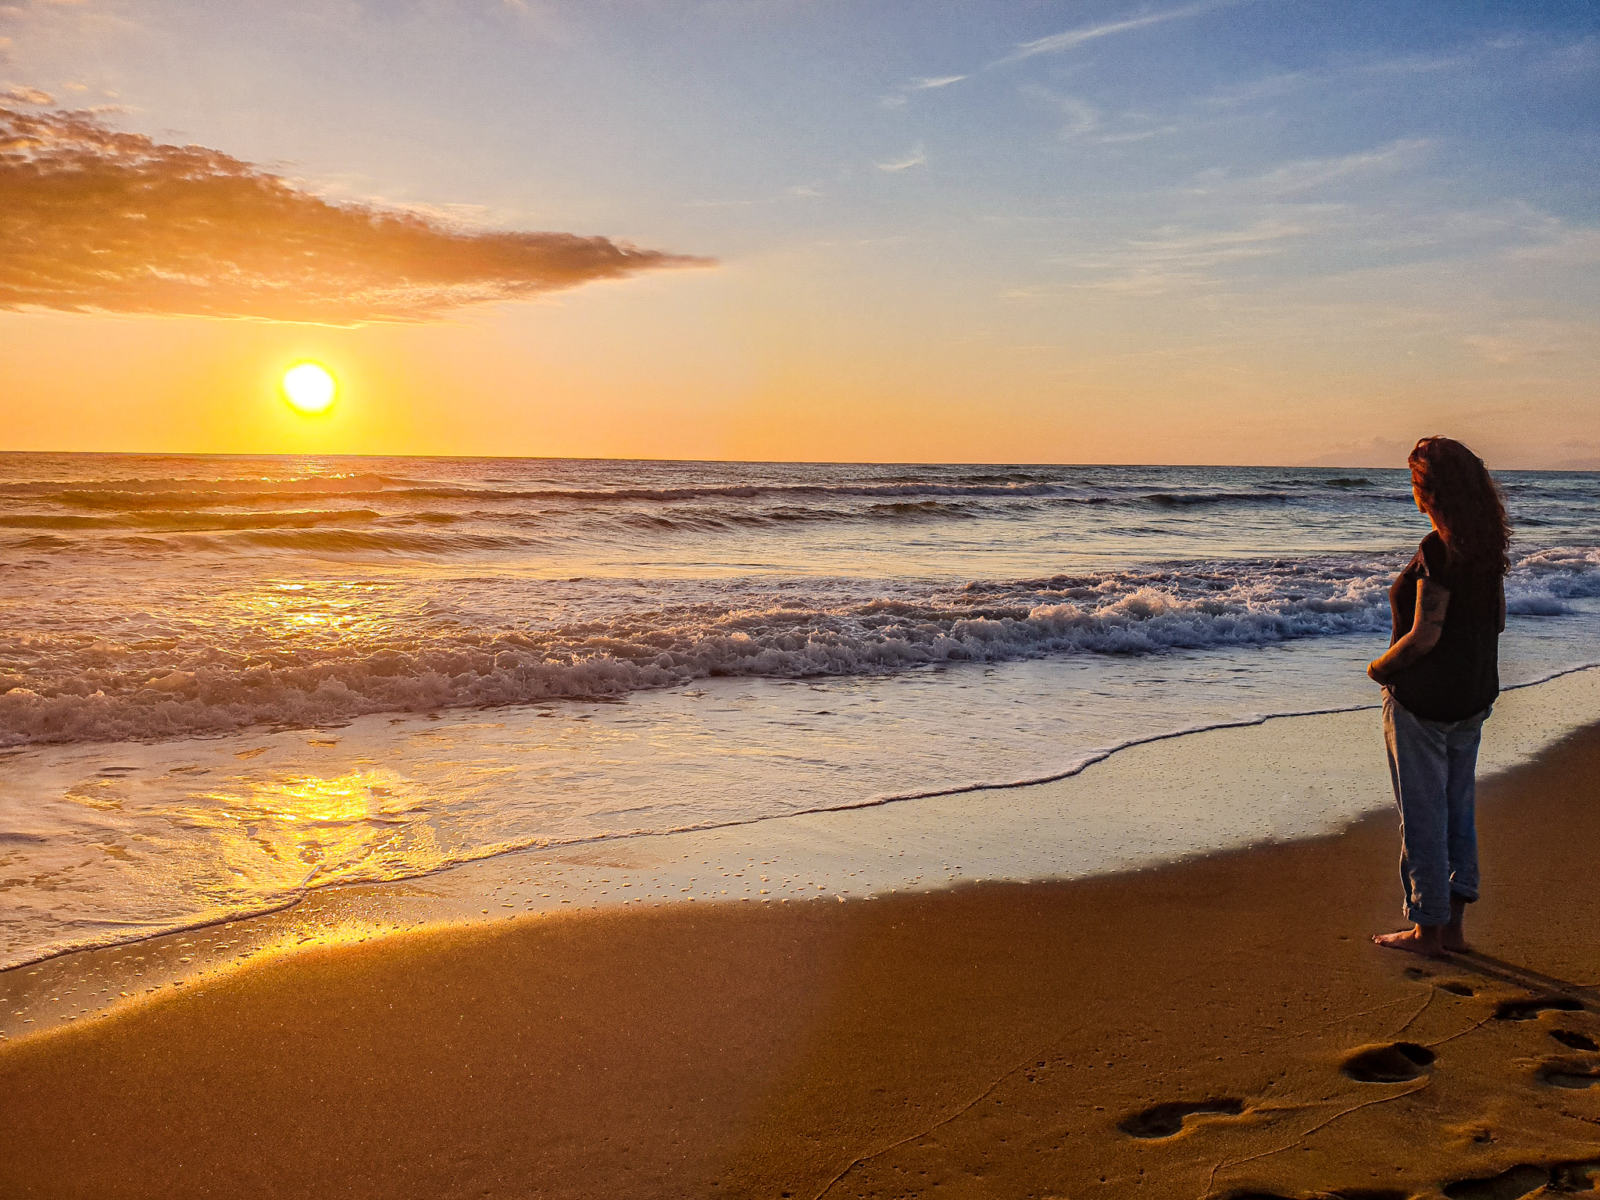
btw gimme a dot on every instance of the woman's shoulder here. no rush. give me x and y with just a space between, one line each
1433 556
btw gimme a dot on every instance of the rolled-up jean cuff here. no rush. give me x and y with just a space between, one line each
1432 765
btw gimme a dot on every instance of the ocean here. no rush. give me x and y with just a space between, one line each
227 681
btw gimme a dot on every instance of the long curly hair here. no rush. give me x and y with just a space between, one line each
1464 502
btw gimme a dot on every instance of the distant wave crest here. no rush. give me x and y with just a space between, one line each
396 515
134 495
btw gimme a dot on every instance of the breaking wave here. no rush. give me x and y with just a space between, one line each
82 687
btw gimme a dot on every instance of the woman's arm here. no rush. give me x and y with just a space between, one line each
1501 627
1423 636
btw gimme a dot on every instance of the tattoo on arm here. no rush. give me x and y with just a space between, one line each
1433 602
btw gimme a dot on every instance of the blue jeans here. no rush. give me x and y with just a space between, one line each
1432 764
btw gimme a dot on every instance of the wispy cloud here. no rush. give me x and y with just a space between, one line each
1551 241
1080 121
27 95
1345 72
1206 248
1073 38
1297 178
1172 259
916 158
931 83
1420 254
1138 135
1308 174
31 20
98 219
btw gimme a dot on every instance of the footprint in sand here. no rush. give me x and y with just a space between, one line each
1576 1176
1508 1185
1529 1008
1573 1073
1455 987
1528 1179
1167 1120
1573 1040
1391 1062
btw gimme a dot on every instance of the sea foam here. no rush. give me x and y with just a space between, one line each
66 687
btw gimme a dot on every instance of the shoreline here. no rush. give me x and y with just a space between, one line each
988 1039
1160 801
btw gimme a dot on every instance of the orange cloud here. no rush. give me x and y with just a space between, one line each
94 219
25 95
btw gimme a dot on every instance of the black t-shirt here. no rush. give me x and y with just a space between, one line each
1460 676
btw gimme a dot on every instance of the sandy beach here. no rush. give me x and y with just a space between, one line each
782 601
1217 1027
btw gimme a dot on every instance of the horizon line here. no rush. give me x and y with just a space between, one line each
753 462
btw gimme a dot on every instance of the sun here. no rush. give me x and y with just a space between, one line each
309 388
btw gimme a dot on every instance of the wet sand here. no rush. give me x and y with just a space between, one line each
1216 1027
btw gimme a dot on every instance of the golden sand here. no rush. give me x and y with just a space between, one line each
1220 1027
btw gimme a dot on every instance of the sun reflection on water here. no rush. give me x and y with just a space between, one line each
284 609
359 824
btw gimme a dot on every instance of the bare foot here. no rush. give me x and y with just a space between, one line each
1426 940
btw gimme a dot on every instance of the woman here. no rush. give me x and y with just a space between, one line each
1440 676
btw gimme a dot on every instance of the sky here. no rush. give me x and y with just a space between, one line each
1223 231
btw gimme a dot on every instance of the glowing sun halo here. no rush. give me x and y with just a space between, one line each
309 388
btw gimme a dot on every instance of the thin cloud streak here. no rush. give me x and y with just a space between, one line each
917 158
1299 177
1311 173
931 83
1072 38
1172 259
1464 58
94 219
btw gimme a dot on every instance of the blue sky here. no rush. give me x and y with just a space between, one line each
1220 219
